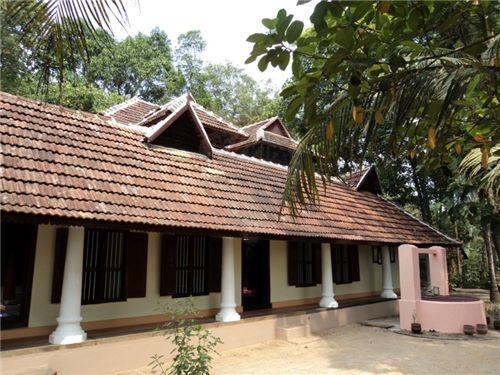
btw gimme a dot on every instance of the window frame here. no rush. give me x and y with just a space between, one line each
302 248
190 266
101 268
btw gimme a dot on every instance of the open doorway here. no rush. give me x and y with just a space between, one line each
18 255
255 293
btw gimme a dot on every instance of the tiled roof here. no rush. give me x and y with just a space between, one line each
131 111
352 179
68 165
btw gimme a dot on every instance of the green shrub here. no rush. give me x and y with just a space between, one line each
194 345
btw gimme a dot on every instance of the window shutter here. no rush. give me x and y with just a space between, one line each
292 263
214 264
168 265
354 262
336 260
59 261
317 262
137 264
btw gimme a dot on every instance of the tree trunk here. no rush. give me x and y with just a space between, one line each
495 234
459 258
494 293
423 199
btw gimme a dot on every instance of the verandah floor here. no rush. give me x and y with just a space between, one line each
96 336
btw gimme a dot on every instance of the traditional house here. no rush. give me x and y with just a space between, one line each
105 215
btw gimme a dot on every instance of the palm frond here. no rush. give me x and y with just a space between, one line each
62 27
473 166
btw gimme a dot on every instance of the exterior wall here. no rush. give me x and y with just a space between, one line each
43 313
283 294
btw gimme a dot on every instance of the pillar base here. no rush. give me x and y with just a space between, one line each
389 294
328 302
227 314
59 337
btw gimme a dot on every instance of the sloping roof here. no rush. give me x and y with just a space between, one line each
68 165
131 111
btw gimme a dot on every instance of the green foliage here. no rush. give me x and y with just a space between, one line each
194 345
429 69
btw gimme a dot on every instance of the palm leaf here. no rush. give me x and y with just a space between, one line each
61 28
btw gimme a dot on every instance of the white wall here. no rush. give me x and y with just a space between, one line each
370 276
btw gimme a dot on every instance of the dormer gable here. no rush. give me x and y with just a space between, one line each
181 129
275 126
369 181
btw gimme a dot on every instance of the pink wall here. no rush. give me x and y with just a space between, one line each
446 317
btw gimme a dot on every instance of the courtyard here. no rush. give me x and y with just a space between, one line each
358 349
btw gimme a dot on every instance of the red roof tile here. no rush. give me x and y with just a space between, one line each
68 164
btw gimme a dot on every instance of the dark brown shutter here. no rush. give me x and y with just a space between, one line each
137 264
59 261
317 262
292 263
354 262
168 264
214 264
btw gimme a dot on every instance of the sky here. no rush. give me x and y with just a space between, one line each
224 24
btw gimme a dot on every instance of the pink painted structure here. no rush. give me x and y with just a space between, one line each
444 313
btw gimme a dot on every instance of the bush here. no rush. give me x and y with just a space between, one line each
194 344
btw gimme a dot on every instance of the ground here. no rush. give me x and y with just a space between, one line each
357 349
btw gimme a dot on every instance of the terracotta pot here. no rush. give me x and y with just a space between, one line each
496 324
482 329
416 328
468 329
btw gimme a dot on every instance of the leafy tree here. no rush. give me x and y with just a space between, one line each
190 46
56 28
414 82
137 66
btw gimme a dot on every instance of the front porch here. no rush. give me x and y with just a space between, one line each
135 345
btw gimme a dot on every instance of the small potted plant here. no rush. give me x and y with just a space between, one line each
415 327
493 312
468 329
482 329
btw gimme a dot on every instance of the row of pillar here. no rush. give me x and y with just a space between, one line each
69 330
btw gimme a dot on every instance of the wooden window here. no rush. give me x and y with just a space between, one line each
377 254
191 265
103 267
137 264
345 264
304 264
392 254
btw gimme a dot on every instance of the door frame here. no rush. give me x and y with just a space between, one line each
264 247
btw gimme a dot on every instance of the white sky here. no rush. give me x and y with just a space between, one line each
224 24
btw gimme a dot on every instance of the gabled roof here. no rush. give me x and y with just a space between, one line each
366 179
131 111
105 174
257 133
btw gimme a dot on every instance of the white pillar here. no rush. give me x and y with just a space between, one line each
327 296
68 329
227 311
388 291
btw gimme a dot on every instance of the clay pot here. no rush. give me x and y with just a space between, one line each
416 328
482 329
468 329
496 324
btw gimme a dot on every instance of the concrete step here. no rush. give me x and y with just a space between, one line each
293 332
